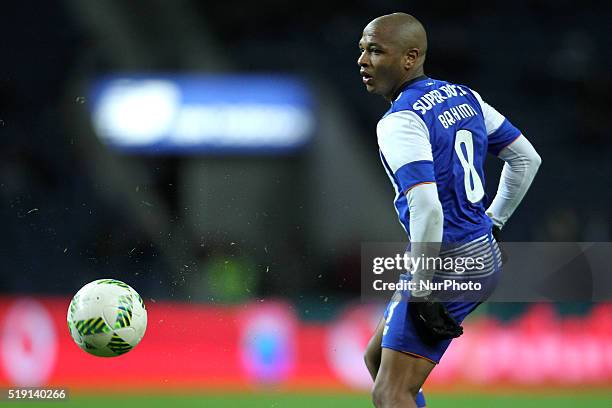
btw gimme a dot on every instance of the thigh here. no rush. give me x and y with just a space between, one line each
401 373
374 349
376 339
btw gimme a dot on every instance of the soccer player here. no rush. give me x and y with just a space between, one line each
433 141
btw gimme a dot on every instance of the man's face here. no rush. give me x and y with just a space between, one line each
381 62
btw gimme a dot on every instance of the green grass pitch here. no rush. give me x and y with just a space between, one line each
305 400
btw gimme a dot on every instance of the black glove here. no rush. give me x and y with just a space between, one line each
497 235
432 321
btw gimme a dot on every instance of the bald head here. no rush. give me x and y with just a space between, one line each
392 52
401 29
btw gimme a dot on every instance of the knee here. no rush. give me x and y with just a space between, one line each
413 390
384 395
378 395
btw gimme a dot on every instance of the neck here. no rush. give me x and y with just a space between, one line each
413 75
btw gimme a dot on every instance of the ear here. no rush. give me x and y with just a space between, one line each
411 57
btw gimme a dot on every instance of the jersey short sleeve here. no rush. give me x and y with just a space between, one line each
499 129
403 139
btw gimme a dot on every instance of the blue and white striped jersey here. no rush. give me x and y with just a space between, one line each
438 132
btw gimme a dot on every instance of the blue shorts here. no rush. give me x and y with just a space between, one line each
400 334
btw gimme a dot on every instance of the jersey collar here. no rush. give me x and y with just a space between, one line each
406 84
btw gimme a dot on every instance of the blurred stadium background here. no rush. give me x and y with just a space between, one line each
220 158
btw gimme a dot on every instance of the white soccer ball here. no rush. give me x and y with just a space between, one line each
107 318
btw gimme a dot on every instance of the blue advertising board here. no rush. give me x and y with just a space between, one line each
202 114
